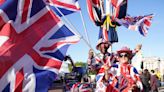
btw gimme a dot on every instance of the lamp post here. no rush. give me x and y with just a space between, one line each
159 69
159 61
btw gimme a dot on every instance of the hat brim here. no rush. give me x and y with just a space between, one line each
125 51
97 46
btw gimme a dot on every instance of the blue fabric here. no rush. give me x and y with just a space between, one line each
44 79
7 88
60 53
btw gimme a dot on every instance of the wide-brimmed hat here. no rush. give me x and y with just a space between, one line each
125 50
101 41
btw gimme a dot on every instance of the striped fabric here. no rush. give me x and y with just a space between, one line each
66 7
31 52
81 87
121 79
109 60
95 11
139 23
119 8
125 76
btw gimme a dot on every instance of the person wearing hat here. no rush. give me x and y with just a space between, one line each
103 45
104 58
123 77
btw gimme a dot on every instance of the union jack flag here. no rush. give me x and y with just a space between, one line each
2 1
95 10
119 8
108 31
33 43
125 75
139 23
82 87
66 7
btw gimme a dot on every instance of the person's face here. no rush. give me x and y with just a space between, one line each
144 72
103 47
91 53
123 58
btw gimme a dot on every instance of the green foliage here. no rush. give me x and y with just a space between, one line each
70 67
80 64
93 72
77 64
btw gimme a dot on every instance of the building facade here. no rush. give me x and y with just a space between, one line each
154 63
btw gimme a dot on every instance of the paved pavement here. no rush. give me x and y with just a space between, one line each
56 90
57 87
161 89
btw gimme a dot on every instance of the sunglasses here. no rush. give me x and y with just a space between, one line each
123 55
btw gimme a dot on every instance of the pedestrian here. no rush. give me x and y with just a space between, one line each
153 82
91 61
145 78
157 72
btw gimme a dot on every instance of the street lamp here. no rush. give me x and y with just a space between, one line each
159 60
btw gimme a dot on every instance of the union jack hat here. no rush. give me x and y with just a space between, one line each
100 41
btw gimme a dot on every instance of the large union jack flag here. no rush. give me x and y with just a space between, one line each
33 43
65 7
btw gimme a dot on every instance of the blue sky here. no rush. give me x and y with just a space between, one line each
153 43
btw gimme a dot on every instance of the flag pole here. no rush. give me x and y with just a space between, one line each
72 26
84 26
66 20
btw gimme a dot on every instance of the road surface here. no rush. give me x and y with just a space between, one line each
57 87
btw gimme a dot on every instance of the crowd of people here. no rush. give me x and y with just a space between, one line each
115 73
150 81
